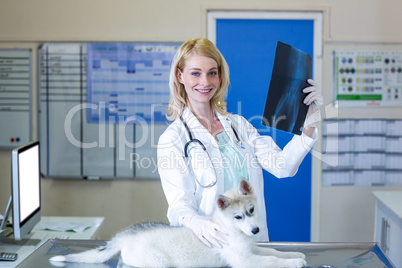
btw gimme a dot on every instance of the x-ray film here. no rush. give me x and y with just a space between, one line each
284 107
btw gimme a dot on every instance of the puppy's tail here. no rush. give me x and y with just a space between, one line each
98 255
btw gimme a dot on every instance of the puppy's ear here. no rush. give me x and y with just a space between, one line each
245 187
223 202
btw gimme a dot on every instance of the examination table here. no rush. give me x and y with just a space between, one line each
323 255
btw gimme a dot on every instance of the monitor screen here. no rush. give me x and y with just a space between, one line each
25 189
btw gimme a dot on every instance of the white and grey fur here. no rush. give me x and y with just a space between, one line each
160 245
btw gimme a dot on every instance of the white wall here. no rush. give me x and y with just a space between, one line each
345 213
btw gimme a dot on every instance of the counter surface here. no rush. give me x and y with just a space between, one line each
323 255
392 199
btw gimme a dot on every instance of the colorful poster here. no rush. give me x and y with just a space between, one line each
367 78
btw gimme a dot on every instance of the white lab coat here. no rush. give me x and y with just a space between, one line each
186 198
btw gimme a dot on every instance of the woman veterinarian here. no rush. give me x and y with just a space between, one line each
205 151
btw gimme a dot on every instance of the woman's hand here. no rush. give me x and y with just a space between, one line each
208 232
314 101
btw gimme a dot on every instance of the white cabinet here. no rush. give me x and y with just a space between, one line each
388 224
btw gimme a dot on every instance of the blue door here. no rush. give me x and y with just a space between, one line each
249 48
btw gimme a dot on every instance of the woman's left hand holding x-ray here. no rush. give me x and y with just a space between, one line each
314 101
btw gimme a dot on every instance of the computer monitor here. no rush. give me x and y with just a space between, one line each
25 193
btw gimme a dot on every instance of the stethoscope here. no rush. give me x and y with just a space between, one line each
198 142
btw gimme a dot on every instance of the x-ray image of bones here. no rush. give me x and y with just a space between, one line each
284 108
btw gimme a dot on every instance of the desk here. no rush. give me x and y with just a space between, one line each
328 255
25 250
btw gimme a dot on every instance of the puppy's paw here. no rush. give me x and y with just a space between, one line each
58 259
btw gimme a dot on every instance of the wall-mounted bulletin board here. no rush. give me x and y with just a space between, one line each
368 78
15 97
102 108
362 152
365 151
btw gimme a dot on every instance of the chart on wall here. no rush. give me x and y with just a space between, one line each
362 152
129 82
87 93
367 78
15 97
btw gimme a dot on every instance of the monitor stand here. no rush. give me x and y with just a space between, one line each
6 234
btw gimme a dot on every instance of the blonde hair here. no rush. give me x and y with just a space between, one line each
178 95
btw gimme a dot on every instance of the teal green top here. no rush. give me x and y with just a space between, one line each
233 162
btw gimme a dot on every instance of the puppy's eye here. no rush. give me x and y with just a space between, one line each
252 210
238 217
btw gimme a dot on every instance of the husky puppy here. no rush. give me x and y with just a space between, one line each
160 245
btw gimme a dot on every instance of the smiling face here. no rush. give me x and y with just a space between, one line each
200 79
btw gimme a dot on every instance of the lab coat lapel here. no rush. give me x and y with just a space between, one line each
198 131
227 125
190 119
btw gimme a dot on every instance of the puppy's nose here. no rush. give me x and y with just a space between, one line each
255 230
